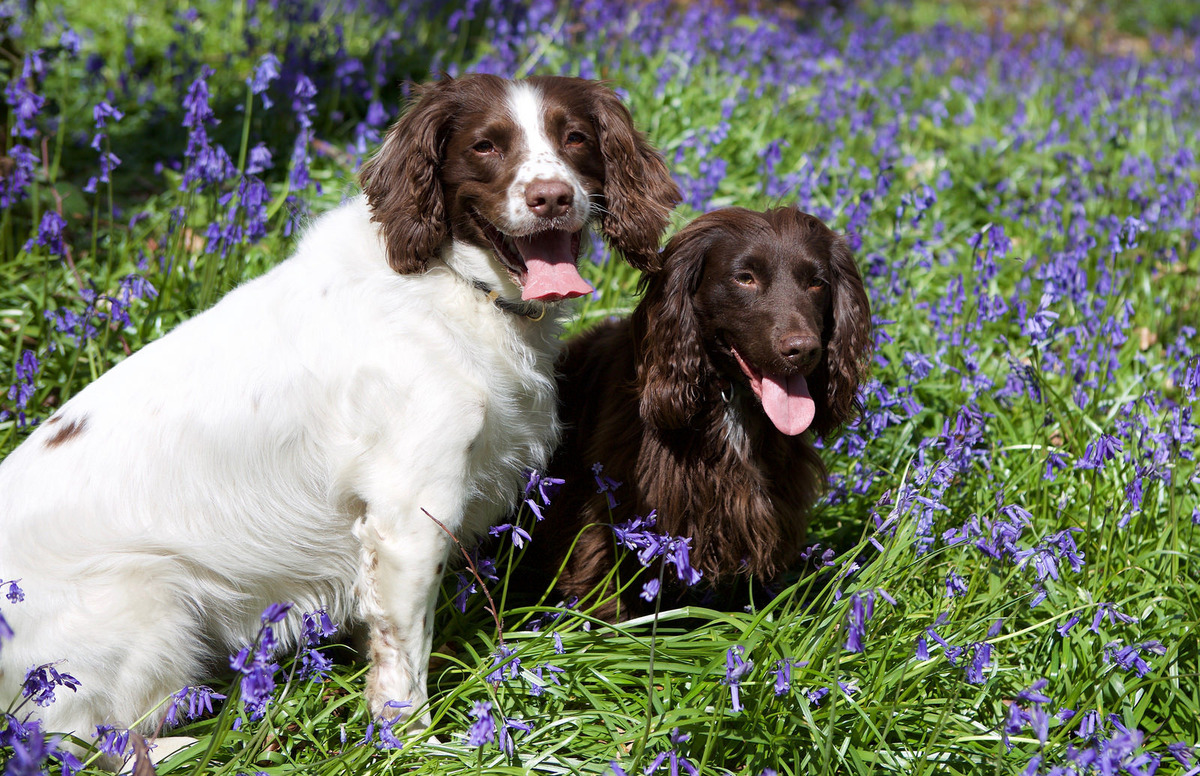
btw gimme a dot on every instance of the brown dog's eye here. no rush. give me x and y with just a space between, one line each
817 284
576 138
484 147
744 279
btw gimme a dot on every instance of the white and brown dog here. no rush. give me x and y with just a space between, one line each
286 444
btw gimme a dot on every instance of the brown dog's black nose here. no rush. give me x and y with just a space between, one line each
800 350
549 199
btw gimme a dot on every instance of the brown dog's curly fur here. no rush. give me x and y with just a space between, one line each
660 401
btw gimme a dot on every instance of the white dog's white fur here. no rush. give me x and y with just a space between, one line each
278 447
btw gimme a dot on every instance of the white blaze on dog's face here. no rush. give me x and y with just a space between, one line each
520 175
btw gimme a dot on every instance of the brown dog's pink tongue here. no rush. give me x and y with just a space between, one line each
787 403
551 274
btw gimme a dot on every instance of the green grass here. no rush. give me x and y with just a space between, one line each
623 689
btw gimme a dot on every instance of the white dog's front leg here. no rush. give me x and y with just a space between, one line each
399 577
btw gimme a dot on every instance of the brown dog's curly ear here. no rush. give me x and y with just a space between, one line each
401 180
850 345
671 358
639 192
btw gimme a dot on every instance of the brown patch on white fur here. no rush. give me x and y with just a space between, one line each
70 430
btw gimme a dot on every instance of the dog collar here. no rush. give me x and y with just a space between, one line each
534 311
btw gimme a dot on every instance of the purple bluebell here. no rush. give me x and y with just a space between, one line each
504 661
955 585
24 102
42 681
467 585
606 485
981 658
317 627
1065 628
1130 658
517 534
189 703
265 71
1110 612
49 234
22 391
483 726
113 741
1099 451
861 609
504 733
736 669
676 762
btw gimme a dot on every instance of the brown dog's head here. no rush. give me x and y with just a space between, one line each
518 168
769 301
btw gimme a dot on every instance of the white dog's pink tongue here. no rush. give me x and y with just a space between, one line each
551 274
787 403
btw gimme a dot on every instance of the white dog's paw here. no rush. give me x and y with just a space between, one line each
148 754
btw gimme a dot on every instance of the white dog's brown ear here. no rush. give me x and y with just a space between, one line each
401 181
639 192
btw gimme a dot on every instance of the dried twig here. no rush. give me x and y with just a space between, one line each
491 607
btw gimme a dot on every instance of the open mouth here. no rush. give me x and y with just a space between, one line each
542 264
785 398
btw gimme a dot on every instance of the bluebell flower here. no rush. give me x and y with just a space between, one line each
861 609
783 674
24 103
49 234
606 485
113 741
736 669
980 660
189 703
70 42
31 751
1110 612
1065 628
467 585
258 160
1130 657
507 740
21 392
385 726
542 673
1183 753
517 534
317 627
483 727
674 759
41 682
650 589
1099 451
501 664
955 585
265 71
